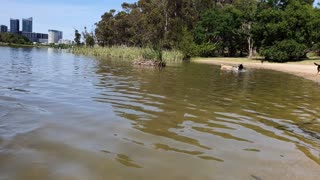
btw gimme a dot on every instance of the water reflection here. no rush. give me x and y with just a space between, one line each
184 105
74 117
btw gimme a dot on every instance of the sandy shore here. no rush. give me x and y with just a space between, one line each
305 69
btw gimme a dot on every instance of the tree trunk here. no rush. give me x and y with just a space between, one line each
250 41
250 46
166 26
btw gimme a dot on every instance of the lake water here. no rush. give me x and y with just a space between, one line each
74 117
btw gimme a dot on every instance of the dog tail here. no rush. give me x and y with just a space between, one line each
316 64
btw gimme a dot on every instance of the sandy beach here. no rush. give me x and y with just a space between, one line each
305 69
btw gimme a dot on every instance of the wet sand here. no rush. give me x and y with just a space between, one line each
305 69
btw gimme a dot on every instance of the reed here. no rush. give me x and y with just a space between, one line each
129 53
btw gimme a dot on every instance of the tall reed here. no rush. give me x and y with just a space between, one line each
128 53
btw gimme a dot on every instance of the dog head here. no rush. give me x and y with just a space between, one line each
240 67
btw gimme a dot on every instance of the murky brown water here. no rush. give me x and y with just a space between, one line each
72 117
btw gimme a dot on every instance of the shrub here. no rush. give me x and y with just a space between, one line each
284 51
187 45
206 50
149 53
316 48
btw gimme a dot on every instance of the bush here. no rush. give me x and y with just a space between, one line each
14 38
284 51
149 53
316 48
187 45
206 50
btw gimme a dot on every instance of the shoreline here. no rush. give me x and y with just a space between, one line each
305 69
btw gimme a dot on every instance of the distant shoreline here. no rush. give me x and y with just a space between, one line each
2 44
305 69
17 45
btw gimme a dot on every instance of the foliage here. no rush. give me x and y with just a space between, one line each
187 45
14 38
218 26
129 53
284 50
77 37
60 46
149 53
206 50
214 28
88 37
289 27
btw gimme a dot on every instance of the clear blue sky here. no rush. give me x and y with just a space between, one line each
64 15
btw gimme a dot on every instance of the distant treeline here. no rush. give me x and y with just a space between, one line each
279 30
6 37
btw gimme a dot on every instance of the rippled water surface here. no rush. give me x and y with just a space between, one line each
73 117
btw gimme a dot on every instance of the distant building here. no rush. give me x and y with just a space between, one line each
36 37
65 41
43 41
14 26
54 36
3 28
27 25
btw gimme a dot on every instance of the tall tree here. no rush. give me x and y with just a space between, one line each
77 37
285 33
248 9
218 27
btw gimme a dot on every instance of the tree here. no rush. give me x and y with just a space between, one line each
77 37
284 31
7 37
248 9
88 37
213 27
219 26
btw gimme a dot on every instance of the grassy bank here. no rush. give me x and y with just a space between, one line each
16 45
129 53
26 45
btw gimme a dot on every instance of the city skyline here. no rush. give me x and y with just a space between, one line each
62 15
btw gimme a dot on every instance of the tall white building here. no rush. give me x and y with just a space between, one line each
54 36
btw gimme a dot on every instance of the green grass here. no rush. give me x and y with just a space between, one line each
128 53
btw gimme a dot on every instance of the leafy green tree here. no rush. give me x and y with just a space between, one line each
214 27
187 45
286 29
14 38
248 10
219 26
284 50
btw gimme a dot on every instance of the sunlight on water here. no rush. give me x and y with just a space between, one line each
73 117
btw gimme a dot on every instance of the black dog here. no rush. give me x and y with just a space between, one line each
318 67
240 67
